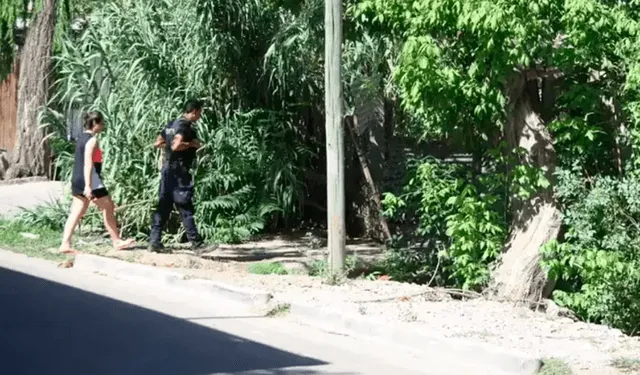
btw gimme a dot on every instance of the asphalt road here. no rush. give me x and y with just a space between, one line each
61 321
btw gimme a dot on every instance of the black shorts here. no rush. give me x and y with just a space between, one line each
98 193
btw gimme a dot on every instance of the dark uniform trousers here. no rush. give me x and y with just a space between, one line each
176 187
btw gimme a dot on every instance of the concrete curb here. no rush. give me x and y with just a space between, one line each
166 278
454 355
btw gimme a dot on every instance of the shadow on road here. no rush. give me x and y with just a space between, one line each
50 328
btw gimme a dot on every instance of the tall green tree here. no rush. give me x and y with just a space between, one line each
9 14
16 15
38 23
483 73
31 156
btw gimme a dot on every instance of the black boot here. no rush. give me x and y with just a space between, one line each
156 247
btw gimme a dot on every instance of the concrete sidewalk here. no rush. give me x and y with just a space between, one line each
29 195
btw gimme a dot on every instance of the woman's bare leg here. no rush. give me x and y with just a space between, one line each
105 204
78 209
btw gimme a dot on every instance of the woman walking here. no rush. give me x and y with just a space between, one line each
87 186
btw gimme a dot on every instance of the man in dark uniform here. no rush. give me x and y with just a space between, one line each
180 143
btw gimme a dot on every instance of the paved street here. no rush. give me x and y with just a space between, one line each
61 321
28 195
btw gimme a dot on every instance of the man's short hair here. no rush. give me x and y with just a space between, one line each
192 105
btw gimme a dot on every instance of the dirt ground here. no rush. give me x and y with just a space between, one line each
295 252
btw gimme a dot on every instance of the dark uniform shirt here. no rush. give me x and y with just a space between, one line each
185 157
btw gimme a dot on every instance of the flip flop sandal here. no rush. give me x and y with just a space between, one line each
124 245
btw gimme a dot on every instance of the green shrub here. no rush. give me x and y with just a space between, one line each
598 264
554 366
456 227
52 215
320 268
133 65
31 240
267 268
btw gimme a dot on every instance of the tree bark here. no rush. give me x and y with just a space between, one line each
519 276
617 128
367 128
31 155
364 164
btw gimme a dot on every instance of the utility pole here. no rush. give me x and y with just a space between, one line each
334 132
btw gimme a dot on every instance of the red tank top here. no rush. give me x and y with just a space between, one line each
97 155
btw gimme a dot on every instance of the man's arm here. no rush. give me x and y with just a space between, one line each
178 144
159 143
196 143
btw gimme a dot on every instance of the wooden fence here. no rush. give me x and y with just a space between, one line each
8 109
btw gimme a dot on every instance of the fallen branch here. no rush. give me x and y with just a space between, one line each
549 306
452 292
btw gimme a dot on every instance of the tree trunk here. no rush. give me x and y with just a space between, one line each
374 194
367 128
31 155
519 276
617 129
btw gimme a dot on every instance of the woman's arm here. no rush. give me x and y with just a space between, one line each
88 161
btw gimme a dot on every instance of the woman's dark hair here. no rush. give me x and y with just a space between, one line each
91 119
